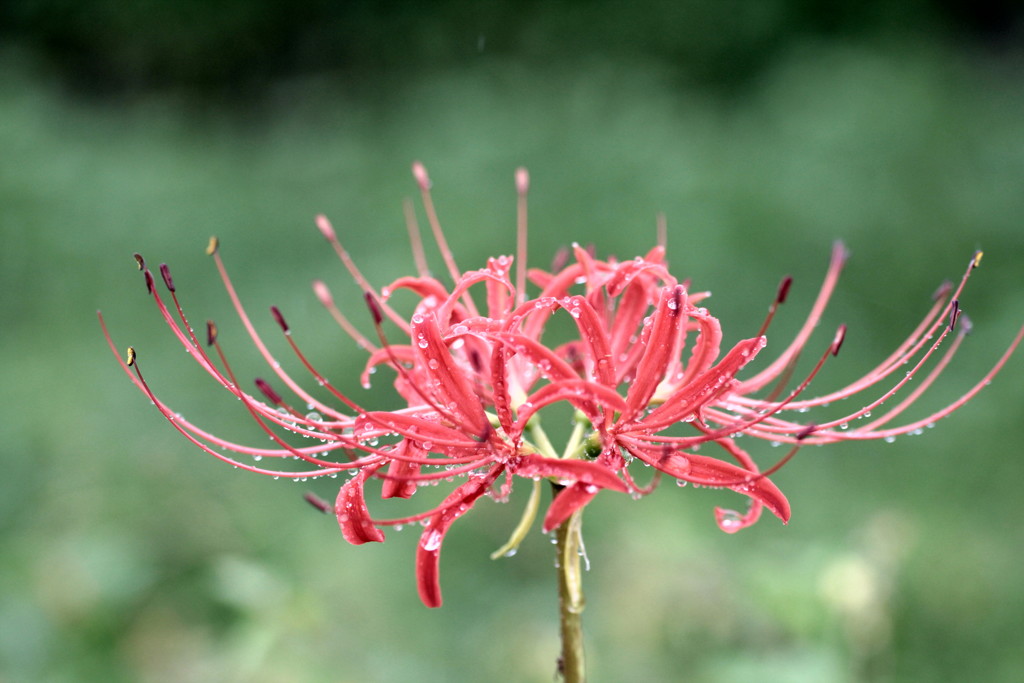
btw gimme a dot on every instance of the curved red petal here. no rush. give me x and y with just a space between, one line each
400 481
575 471
414 427
594 336
705 387
708 344
428 552
451 386
707 471
549 364
713 472
731 521
581 394
665 331
422 286
632 309
569 500
353 516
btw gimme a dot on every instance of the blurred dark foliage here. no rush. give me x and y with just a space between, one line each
236 46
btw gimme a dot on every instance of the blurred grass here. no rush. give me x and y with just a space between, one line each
129 556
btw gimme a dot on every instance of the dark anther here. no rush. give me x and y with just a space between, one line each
371 303
954 313
165 273
806 432
317 502
211 333
838 341
139 260
268 391
276 312
784 286
149 282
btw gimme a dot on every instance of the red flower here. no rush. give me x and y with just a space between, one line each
645 359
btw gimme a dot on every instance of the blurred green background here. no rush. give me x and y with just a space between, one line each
763 130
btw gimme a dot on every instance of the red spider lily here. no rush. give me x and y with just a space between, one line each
645 359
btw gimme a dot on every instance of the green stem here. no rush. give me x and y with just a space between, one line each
568 543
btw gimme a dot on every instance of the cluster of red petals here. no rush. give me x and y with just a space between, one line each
474 368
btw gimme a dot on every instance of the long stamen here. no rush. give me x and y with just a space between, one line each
274 364
419 256
522 187
764 474
938 415
419 172
746 426
185 428
180 421
920 389
780 298
258 415
327 230
839 256
352 405
323 295
909 348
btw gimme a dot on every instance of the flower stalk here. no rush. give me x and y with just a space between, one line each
568 549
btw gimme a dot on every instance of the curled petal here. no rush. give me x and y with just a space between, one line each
499 387
423 287
665 331
576 471
713 472
569 500
400 481
582 394
649 272
452 387
414 427
491 275
731 521
353 516
548 362
500 291
428 552
594 336
705 387
632 309
708 344
395 353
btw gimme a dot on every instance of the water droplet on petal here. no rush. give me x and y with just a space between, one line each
431 540
729 519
